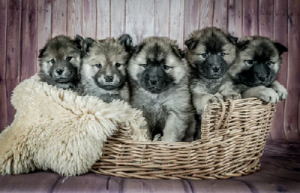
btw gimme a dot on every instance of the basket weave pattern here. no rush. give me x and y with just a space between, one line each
232 141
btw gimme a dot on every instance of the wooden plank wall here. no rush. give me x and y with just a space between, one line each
27 24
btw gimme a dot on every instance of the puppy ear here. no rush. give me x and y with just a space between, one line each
87 43
190 43
126 40
232 39
79 41
176 50
41 52
138 48
281 48
242 45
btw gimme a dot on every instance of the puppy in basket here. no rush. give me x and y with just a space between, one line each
256 67
159 81
59 61
103 70
210 53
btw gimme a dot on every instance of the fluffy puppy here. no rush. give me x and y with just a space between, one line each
103 71
159 81
59 61
210 52
256 67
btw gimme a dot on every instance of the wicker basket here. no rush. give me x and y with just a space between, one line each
233 139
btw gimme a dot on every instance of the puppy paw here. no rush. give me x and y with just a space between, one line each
231 96
157 137
268 95
281 91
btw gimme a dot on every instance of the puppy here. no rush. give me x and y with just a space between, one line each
104 64
59 61
256 67
159 81
210 53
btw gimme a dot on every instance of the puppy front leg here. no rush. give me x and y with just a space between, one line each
200 100
280 90
174 129
266 94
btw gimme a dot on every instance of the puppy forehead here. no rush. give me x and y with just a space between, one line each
262 51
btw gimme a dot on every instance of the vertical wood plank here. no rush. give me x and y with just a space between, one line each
266 18
140 19
74 20
161 18
177 21
250 17
280 35
292 115
29 39
235 13
14 12
89 18
59 17
191 17
206 13
44 24
117 21
103 19
220 14
3 101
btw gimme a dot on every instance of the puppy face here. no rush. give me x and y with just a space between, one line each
211 52
60 58
105 62
258 61
157 64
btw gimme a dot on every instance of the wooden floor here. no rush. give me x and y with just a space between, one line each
280 172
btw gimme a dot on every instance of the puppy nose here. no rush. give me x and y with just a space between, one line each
261 78
153 82
59 71
216 69
108 78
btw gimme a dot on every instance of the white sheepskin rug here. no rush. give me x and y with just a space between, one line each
56 129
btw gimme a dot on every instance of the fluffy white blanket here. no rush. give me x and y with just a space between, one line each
56 129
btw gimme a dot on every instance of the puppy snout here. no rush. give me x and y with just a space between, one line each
153 82
216 69
109 78
262 78
59 71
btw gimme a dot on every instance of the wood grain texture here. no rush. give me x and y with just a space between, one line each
206 13
44 24
117 21
191 17
220 14
29 39
292 115
280 35
89 23
177 21
161 18
59 17
250 17
139 19
13 52
266 18
3 100
103 19
235 20
74 20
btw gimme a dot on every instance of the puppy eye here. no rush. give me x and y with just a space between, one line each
250 62
69 58
118 65
269 62
204 55
98 65
166 67
145 65
52 61
222 54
